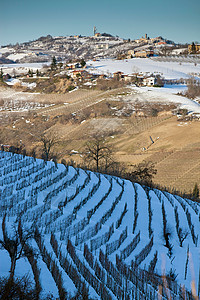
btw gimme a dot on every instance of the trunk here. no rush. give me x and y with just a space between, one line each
12 269
97 165
7 292
97 161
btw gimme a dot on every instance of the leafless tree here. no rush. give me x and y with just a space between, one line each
98 152
48 142
143 172
14 244
20 288
159 80
193 90
164 51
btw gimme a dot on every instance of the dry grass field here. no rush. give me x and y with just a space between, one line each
76 116
175 152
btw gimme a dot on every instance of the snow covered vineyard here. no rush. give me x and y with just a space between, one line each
98 233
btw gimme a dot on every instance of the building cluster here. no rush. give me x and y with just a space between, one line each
81 74
194 48
140 53
138 78
157 40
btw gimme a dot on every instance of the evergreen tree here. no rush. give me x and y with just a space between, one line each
195 192
53 63
1 75
83 63
193 48
30 73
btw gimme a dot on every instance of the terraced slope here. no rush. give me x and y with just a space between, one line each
179 169
98 233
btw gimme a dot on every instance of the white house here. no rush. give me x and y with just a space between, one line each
149 81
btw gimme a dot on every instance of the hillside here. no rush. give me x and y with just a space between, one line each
76 47
169 67
99 231
123 115
69 47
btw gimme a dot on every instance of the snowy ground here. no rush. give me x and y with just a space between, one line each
166 94
75 194
169 70
21 68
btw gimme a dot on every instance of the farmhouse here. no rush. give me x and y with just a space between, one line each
73 66
102 46
149 81
144 53
128 77
82 74
77 73
118 75
131 53
101 76
162 43
138 79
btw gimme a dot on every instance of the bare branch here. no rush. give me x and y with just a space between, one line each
14 244
98 152
47 145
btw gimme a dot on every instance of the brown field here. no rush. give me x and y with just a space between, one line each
175 151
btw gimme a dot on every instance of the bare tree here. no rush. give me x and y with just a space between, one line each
143 172
193 90
14 244
159 80
164 51
20 288
33 153
47 146
99 153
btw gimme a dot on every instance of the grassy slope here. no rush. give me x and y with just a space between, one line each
176 149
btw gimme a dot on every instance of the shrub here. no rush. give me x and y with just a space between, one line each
193 90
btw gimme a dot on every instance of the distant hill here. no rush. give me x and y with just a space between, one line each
98 233
76 47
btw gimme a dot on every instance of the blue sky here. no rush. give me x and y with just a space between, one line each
24 20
